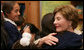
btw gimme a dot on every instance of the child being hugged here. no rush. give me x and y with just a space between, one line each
26 42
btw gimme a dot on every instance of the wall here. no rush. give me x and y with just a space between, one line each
49 6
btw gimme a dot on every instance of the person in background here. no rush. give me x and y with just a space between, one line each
4 35
66 20
11 12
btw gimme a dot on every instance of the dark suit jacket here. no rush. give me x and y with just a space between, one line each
13 33
68 40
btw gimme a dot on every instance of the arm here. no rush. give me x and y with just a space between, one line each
49 40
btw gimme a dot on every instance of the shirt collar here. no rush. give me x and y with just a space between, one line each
6 19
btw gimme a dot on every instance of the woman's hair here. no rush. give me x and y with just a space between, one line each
70 13
8 7
47 24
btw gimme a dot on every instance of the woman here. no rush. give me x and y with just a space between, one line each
66 20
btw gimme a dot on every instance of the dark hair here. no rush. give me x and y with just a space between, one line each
8 7
33 28
47 24
70 13
20 22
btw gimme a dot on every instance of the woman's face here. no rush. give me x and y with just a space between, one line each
14 14
61 23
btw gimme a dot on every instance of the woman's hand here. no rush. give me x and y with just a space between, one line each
49 39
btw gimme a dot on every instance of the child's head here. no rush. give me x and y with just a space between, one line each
32 31
33 28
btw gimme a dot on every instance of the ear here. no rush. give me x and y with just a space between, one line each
70 23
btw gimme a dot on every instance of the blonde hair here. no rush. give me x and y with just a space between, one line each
69 12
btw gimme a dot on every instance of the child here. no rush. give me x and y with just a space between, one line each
26 42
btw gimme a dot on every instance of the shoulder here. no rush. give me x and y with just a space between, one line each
70 40
72 35
75 40
10 28
8 25
76 36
